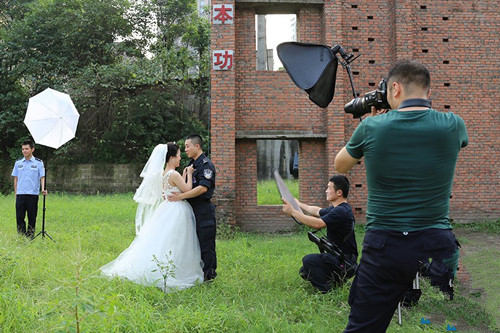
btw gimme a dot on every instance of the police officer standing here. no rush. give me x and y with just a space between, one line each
28 174
199 198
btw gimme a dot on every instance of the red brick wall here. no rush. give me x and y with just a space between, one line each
457 41
267 100
222 113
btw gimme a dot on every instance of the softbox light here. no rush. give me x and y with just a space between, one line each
312 67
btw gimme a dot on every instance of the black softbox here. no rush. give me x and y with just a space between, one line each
312 67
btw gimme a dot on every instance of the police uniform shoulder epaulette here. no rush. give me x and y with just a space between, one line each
39 160
206 160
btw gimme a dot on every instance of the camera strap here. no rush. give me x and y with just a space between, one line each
408 103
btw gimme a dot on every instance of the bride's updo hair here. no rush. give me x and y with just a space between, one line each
172 150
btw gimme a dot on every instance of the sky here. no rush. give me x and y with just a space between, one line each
279 30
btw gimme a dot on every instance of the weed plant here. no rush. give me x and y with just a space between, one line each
48 286
166 268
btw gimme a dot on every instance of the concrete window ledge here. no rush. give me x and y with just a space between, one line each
281 135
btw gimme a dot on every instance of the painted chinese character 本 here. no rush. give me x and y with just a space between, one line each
223 14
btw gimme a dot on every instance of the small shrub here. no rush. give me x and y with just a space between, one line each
226 230
5 186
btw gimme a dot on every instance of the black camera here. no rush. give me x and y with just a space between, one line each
326 246
362 105
313 68
323 244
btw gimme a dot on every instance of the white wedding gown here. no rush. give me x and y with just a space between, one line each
170 235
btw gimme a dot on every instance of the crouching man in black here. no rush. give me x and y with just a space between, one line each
327 270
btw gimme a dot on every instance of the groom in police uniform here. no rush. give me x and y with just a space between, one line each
199 198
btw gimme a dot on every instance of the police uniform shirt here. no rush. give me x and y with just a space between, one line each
339 222
28 173
204 175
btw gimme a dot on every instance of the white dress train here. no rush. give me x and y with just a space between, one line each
170 235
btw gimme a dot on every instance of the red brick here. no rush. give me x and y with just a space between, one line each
461 53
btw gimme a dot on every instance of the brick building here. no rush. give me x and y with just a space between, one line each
458 42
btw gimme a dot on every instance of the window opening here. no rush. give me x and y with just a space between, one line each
270 31
281 155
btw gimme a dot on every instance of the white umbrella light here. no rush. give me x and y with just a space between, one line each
51 118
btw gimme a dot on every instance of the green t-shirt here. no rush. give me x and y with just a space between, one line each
410 159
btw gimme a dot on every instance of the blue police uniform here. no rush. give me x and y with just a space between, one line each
28 173
325 270
204 212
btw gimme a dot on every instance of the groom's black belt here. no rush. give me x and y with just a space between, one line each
200 202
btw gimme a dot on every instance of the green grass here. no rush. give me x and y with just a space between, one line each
483 258
489 227
45 285
268 194
485 266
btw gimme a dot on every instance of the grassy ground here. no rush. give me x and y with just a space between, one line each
481 256
268 194
50 286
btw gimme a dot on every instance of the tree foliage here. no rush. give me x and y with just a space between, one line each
131 67
13 96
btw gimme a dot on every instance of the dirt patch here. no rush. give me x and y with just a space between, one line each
439 320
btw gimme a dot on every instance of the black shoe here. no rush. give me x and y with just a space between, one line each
209 278
209 281
303 274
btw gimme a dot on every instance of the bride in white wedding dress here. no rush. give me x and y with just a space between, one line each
166 231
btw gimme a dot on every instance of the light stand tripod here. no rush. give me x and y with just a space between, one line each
43 232
414 296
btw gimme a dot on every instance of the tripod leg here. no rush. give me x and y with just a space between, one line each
49 237
43 232
399 313
43 217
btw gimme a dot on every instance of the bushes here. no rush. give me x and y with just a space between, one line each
5 186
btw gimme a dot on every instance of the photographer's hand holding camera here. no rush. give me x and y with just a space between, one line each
338 262
410 155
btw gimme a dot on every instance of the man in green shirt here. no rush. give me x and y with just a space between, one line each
410 155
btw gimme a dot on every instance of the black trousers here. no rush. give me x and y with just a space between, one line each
26 204
206 237
325 271
388 265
